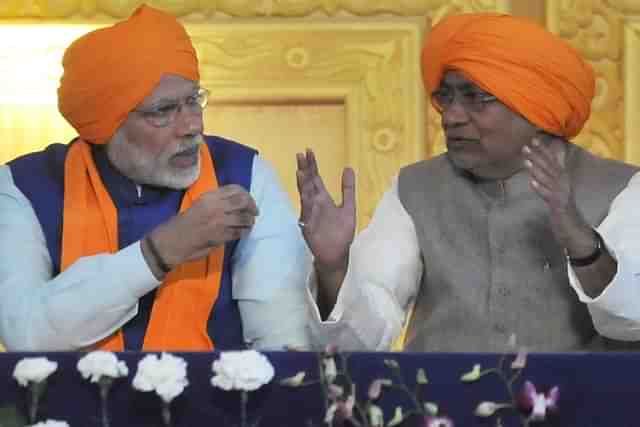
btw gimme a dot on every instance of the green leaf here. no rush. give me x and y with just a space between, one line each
421 377
294 381
472 375
397 417
11 417
376 416
391 363
431 408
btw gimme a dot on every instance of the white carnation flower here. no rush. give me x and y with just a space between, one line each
245 370
51 423
167 375
33 369
98 364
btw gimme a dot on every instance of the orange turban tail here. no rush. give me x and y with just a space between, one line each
531 70
108 72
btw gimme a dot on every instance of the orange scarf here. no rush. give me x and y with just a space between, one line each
184 301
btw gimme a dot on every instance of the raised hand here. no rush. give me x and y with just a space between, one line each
327 227
219 216
546 162
549 177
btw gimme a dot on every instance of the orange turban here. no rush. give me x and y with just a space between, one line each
529 69
108 72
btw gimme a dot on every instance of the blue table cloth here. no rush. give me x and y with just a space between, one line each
596 389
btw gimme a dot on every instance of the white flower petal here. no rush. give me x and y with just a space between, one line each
241 370
166 375
33 369
51 423
98 364
485 409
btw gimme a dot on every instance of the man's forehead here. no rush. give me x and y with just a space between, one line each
171 87
455 79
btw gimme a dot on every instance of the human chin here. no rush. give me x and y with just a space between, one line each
179 178
462 160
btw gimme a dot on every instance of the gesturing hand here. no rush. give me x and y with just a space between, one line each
219 216
549 177
546 162
328 228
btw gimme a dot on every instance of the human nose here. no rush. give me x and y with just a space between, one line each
454 112
188 121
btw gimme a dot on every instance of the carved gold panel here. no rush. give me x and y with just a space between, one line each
606 34
30 70
246 8
348 66
355 85
361 80
632 90
351 65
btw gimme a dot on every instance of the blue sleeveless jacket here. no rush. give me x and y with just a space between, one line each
40 177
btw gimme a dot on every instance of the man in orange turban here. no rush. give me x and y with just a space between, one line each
143 233
481 240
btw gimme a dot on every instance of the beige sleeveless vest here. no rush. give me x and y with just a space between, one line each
491 264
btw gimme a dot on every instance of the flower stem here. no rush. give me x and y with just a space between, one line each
323 383
244 398
35 390
104 392
166 414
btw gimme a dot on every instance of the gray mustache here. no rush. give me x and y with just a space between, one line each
191 143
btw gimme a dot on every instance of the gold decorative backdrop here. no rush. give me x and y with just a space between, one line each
199 9
606 33
339 76
369 71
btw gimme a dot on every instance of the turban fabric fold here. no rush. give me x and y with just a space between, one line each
529 69
108 72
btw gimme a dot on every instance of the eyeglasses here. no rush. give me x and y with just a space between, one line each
470 99
166 114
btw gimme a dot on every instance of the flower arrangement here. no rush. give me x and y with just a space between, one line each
394 397
103 368
342 405
245 371
528 403
167 376
32 372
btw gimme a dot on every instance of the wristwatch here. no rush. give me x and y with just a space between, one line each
591 258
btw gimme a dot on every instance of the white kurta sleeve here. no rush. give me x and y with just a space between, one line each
616 311
270 266
383 277
87 302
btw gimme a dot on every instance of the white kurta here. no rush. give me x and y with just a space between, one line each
98 294
385 269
